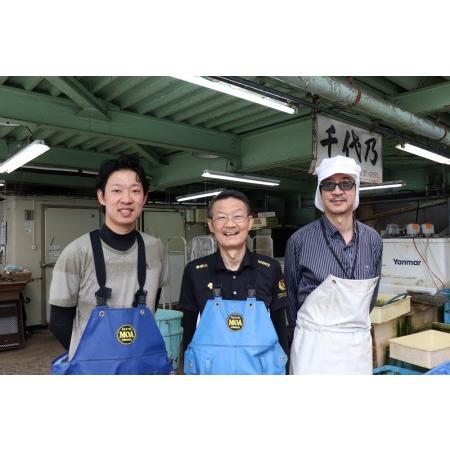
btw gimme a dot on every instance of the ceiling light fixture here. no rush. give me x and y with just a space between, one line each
31 151
212 193
418 151
386 185
236 91
60 169
240 178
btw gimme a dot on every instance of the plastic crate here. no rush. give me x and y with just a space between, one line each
169 324
394 370
441 369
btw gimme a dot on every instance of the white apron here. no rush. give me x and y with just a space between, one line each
332 332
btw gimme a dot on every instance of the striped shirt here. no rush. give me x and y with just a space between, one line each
309 260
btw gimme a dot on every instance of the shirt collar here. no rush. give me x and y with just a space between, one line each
249 260
333 232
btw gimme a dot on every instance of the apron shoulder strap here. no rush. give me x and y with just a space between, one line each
140 297
104 293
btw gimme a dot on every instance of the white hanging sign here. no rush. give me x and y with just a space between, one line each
339 138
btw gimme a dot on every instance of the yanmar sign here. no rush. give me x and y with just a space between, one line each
406 262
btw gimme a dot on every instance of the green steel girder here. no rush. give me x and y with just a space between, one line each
32 82
184 170
89 103
29 107
278 146
67 181
61 157
425 100
149 154
408 83
147 86
381 84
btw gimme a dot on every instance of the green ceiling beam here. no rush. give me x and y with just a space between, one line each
381 84
60 157
30 107
32 82
67 181
89 103
278 146
425 100
272 148
408 83
185 170
148 154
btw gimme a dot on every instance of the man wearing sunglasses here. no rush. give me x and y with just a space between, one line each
332 272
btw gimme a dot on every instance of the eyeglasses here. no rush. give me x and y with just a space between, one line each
331 186
223 219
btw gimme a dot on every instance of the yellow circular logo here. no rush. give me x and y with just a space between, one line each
282 285
235 322
126 334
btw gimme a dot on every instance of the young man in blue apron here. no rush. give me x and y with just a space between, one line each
332 270
233 290
105 285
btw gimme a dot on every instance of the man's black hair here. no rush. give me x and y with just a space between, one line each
229 193
124 162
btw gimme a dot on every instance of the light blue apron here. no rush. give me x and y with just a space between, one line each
117 341
235 337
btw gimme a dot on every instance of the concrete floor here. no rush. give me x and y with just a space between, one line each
32 359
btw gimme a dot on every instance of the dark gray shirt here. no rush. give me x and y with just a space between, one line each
309 260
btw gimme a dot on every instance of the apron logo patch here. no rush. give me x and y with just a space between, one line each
210 286
235 322
281 285
126 334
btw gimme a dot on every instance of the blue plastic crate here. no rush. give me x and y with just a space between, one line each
169 324
394 370
441 369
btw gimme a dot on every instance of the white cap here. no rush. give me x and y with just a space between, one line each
331 166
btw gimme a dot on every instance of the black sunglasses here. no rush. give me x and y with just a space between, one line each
331 186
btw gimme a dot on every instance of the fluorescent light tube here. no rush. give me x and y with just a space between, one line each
240 92
423 153
186 197
381 186
50 169
240 178
25 155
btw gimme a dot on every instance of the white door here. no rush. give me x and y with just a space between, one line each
62 226
169 227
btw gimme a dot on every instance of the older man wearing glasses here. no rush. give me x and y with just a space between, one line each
234 290
332 272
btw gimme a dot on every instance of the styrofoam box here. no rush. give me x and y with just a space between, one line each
381 314
425 349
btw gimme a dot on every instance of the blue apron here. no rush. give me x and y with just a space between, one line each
117 341
235 337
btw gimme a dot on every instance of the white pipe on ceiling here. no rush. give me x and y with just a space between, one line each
353 97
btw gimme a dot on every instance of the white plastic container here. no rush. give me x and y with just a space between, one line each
425 349
392 229
427 229
381 314
412 229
